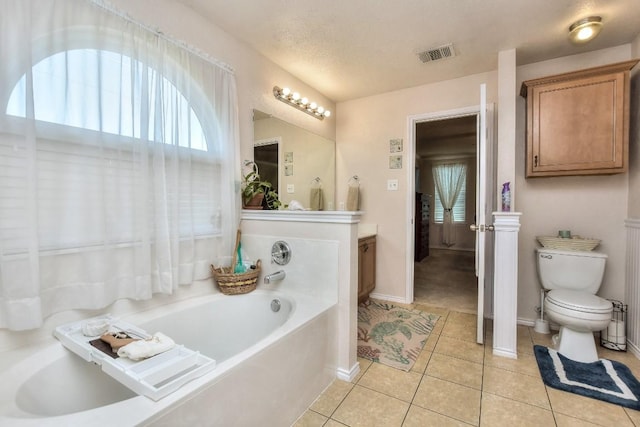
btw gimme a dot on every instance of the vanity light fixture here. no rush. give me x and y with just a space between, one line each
585 29
294 99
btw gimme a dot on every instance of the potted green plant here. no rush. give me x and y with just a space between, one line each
258 194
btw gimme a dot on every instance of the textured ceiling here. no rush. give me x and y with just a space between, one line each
348 49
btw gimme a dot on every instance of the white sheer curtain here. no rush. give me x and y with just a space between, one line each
116 160
449 179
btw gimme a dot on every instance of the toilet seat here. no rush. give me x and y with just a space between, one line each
582 302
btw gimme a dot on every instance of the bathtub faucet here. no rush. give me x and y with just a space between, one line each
278 275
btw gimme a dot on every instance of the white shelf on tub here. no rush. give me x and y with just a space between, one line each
155 377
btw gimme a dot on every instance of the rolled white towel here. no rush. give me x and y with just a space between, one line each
295 205
143 349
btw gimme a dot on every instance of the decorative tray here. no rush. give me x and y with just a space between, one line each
575 243
154 377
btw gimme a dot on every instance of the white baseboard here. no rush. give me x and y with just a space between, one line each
451 248
505 353
348 375
390 298
633 349
526 322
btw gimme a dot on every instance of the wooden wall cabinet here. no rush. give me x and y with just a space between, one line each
578 123
366 267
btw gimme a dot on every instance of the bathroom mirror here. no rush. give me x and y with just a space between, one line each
297 162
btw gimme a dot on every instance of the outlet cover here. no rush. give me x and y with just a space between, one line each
290 188
392 185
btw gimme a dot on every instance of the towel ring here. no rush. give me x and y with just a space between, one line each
316 182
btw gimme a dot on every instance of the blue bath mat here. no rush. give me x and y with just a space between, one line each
606 380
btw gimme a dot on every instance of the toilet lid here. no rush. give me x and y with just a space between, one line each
579 301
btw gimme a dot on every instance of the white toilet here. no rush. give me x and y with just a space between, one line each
572 279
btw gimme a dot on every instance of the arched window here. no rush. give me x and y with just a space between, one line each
116 161
108 92
113 103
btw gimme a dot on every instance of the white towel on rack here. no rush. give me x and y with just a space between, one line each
353 198
143 349
316 199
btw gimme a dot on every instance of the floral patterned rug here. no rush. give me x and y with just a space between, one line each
392 335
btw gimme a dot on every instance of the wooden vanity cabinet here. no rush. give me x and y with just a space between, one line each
578 123
366 267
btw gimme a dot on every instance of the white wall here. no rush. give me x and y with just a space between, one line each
318 231
590 206
364 129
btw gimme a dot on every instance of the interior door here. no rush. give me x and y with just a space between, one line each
481 208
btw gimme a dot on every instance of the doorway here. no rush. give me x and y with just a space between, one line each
266 155
444 246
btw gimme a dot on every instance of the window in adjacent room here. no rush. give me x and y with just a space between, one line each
453 177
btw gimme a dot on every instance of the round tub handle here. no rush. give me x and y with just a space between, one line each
281 253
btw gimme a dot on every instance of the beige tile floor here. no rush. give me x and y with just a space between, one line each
456 382
446 278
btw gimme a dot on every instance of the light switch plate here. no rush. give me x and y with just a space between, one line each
392 185
290 188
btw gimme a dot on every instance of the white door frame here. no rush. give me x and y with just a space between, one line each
412 121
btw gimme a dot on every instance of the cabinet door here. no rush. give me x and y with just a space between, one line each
366 268
577 127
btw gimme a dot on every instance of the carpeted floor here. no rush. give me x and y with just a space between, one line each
446 278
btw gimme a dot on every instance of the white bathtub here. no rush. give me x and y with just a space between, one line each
270 367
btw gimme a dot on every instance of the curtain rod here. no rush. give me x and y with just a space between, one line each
106 5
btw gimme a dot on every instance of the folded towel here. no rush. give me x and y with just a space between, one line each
142 349
353 198
316 199
117 340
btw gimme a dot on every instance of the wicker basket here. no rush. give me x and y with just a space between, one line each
231 283
575 243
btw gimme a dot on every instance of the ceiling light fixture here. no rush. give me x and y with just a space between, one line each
294 99
585 29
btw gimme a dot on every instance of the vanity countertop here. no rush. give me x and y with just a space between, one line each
367 230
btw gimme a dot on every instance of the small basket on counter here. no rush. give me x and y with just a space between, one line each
231 283
575 243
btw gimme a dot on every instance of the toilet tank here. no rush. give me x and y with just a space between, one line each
574 270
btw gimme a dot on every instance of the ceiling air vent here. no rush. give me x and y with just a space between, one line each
437 53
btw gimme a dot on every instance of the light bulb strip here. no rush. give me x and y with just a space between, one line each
300 102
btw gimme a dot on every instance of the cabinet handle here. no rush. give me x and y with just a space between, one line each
535 161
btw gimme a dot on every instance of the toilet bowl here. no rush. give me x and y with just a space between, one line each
572 278
579 314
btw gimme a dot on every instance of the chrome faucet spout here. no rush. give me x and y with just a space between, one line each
278 275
